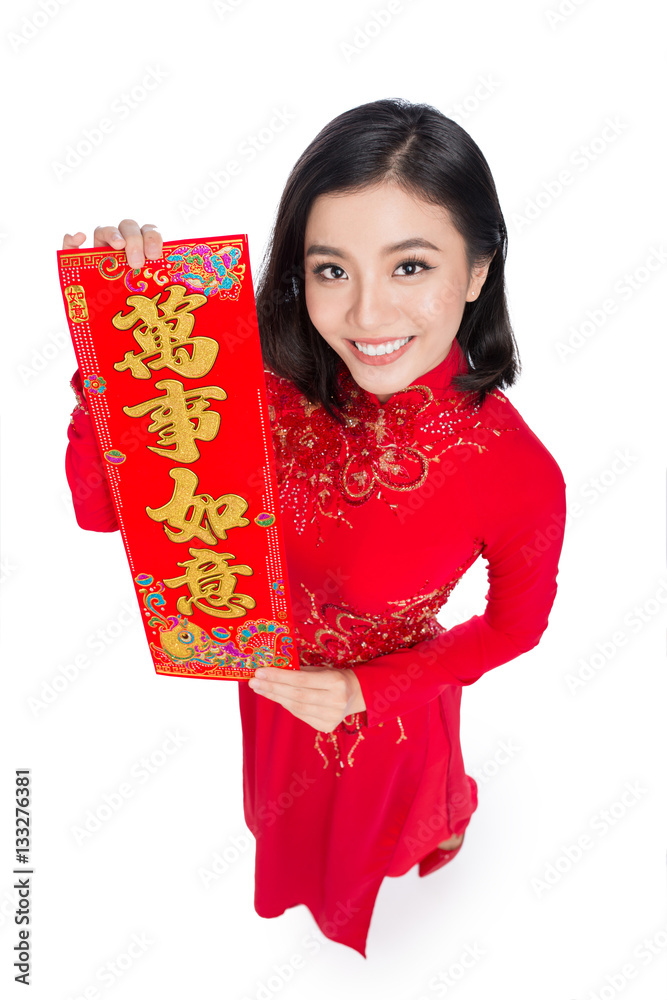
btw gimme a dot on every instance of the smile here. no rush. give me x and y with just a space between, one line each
383 353
376 350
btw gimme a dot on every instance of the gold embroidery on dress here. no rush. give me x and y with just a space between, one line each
341 641
324 467
342 632
332 737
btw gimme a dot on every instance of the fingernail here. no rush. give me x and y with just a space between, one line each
260 673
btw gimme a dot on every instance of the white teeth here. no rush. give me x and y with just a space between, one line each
374 352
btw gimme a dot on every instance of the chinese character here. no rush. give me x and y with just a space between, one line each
180 418
209 578
210 518
164 339
76 303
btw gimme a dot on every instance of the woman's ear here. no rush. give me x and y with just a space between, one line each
477 278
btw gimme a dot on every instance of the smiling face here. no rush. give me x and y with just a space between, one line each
386 283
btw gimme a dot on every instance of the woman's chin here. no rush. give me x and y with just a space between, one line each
379 386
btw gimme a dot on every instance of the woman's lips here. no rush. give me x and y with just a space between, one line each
379 359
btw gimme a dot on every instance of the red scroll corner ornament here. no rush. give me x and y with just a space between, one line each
171 365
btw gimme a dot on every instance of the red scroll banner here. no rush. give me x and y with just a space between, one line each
172 370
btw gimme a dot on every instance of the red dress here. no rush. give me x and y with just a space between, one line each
382 517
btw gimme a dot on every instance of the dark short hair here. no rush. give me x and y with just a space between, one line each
430 156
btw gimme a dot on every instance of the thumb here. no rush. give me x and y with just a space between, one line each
73 241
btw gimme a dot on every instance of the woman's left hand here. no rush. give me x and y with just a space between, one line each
320 696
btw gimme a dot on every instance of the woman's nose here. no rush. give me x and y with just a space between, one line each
372 307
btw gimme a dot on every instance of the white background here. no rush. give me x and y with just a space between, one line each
535 90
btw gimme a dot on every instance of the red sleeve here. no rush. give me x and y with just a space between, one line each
518 505
84 467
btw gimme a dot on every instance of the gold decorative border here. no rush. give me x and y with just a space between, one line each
92 257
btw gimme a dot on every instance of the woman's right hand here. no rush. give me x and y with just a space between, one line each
139 244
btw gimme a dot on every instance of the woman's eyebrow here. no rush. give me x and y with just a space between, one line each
413 243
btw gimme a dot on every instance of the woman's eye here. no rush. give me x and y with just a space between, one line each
414 266
329 267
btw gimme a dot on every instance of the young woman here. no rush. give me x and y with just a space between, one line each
386 338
